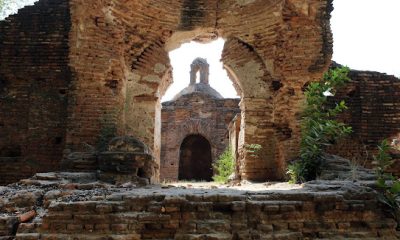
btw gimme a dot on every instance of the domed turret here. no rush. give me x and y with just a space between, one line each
199 64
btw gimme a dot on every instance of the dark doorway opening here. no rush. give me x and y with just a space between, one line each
195 161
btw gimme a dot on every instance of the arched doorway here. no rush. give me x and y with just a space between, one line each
195 161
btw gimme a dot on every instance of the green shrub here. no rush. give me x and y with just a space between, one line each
294 171
224 166
318 125
389 186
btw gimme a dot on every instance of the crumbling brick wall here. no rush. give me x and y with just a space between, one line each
76 73
217 215
34 88
374 115
117 54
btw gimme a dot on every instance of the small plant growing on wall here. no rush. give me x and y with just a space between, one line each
224 166
294 170
389 185
253 149
319 126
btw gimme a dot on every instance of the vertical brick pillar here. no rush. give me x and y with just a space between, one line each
257 128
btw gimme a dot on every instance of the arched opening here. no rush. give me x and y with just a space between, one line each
183 73
195 161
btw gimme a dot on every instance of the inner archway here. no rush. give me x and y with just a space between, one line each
195 161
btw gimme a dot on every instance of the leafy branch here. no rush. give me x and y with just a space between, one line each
319 126
388 184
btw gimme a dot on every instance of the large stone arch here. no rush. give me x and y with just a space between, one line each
118 52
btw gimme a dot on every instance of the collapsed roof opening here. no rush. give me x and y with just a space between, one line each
217 77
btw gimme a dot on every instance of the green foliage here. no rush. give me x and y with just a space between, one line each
389 185
224 166
319 126
294 171
383 160
253 149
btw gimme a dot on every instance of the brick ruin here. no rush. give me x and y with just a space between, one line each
76 73
80 89
197 112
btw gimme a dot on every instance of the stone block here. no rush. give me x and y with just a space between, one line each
271 208
27 236
75 227
103 208
238 206
102 227
119 227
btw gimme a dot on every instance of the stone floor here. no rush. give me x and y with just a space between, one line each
75 206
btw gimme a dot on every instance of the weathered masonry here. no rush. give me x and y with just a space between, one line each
326 211
86 70
80 89
76 73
